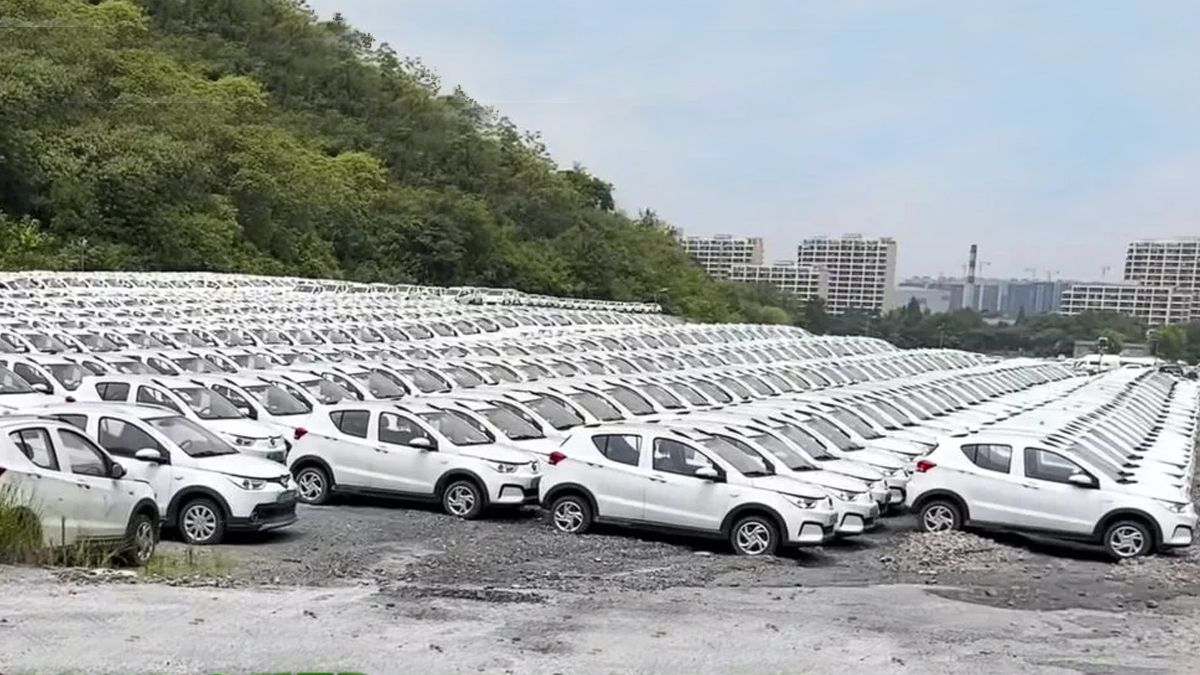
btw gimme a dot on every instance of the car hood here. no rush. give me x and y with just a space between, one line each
788 485
538 446
497 453
856 469
241 427
238 464
878 457
897 445
16 402
831 480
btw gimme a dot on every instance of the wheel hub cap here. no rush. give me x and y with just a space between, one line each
310 485
143 540
460 500
1127 541
200 523
568 517
753 538
938 519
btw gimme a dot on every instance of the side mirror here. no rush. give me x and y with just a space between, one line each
249 412
421 443
1082 480
150 455
707 473
41 388
116 471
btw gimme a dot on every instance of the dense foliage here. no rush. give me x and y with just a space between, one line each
246 135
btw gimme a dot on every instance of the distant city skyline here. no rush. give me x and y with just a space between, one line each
1050 134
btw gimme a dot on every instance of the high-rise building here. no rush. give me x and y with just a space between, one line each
716 254
862 271
803 281
1164 262
1161 284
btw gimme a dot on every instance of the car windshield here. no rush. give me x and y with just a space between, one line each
832 433
893 410
665 398
97 343
428 384
714 392
207 404
735 386
465 378
805 441
459 428
559 415
501 374
379 384
196 364
277 400
69 375
855 423
192 438
780 450
693 397
877 417
513 426
597 406
635 403
747 464
11 383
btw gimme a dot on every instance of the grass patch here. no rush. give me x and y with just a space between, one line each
189 563
20 530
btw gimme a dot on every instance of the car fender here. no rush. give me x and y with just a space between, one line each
313 459
191 492
742 509
924 497
1134 513
560 488
463 472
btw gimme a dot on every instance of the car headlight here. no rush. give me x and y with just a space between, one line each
504 467
841 494
243 440
534 467
247 483
806 503
864 497
1173 507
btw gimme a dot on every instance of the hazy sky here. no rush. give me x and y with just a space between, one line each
1049 133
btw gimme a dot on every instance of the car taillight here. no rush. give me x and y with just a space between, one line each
299 433
70 399
924 465
556 457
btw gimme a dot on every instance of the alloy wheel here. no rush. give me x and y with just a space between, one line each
143 541
938 518
1126 541
753 538
310 484
460 500
568 517
199 522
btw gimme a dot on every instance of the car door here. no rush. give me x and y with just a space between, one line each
1051 501
399 465
350 454
619 485
675 496
123 438
991 485
52 493
104 503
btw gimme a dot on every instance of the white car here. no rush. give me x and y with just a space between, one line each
1015 482
655 477
413 451
72 492
193 400
204 487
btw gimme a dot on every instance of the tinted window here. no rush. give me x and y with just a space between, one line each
634 402
112 391
619 448
990 457
557 414
400 430
596 405
351 422
192 438
516 427
35 444
675 457
459 428
84 457
123 439
1049 466
156 397
31 376
77 421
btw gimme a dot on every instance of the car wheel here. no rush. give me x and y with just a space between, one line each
1127 539
312 485
571 514
940 515
141 540
754 536
463 498
201 522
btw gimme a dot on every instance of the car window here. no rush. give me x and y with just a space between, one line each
351 422
1049 466
112 391
35 444
30 375
597 406
458 427
990 457
77 421
515 426
124 439
156 397
243 406
675 457
558 414
400 430
621 448
83 456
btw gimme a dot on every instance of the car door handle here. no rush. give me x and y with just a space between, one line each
1032 486
656 479
381 450
85 486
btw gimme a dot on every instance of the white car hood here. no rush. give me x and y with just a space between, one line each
831 480
240 427
496 453
878 457
538 446
239 464
18 402
855 469
788 485
897 445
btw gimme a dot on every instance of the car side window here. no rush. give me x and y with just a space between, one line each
156 397
620 448
1049 466
235 398
675 457
85 459
35 444
112 391
77 421
30 375
351 422
124 439
991 457
400 430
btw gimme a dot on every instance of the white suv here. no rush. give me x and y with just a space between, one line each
72 491
205 488
655 477
1017 482
411 450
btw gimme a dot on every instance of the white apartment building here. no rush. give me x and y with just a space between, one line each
862 270
1154 304
1164 262
803 281
718 253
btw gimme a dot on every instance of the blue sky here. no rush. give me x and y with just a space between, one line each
1049 133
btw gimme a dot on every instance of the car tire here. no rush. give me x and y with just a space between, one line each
754 536
312 485
1128 539
940 515
141 540
463 498
201 522
571 514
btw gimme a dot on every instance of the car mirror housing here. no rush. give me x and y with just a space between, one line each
422 443
150 455
1082 480
707 473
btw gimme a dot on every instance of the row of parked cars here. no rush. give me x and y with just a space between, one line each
215 406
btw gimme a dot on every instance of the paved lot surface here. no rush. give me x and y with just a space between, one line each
378 587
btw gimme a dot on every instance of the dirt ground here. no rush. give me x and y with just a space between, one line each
380 587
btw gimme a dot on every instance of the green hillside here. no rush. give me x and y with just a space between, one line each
246 135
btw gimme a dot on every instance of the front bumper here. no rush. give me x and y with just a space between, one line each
267 515
855 518
813 529
515 490
1179 529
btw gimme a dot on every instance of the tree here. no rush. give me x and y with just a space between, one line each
1172 342
1116 341
814 317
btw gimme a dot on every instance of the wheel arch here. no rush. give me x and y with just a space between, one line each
755 509
196 491
570 488
147 506
949 495
1129 514
461 474
313 460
